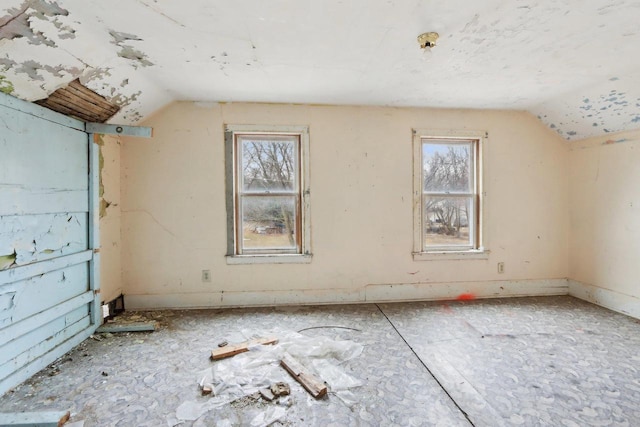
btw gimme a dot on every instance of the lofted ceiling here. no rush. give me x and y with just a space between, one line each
572 63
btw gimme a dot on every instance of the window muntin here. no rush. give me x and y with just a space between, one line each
268 195
449 194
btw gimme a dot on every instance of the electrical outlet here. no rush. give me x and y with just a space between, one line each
206 275
500 267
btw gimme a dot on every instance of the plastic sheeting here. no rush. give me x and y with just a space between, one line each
244 374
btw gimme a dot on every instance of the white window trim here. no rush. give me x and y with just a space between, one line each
419 254
232 256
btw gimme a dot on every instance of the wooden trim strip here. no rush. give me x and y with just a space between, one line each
232 350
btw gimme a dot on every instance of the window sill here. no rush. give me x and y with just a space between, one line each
268 259
450 255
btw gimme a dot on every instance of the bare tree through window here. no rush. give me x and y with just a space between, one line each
448 182
269 196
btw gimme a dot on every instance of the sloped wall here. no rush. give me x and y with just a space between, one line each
174 218
605 221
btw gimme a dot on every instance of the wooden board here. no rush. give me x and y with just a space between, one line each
34 419
127 327
232 350
315 386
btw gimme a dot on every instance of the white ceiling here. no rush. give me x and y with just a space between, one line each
574 63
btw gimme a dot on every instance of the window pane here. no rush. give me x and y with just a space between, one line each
448 221
269 222
269 164
447 167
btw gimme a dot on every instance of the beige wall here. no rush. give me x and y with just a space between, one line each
174 217
110 254
605 220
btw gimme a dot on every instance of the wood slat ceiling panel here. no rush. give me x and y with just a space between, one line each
79 101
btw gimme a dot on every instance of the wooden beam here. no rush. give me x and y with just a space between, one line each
127 327
315 386
34 419
140 131
232 350
94 230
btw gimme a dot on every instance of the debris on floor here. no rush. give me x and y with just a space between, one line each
276 390
231 350
280 389
255 377
40 419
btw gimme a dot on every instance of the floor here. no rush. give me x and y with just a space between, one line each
553 361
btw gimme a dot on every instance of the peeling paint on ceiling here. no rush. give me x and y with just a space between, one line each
572 63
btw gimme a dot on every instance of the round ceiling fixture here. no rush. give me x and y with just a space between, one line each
428 39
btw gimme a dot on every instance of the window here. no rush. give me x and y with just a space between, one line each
448 202
267 194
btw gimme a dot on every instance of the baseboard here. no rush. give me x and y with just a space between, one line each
616 301
369 293
466 290
242 299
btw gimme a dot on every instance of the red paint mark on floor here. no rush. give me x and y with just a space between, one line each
466 297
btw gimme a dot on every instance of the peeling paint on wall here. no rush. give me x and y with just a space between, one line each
5 85
127 51
34 70
17 23
99 140
123 100
604 109
7 261
104 204
31 69
92 74
25 239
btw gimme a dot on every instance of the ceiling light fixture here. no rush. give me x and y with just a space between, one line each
428 40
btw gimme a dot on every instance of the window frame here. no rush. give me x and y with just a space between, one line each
236 254
477 249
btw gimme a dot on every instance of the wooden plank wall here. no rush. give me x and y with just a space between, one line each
45 290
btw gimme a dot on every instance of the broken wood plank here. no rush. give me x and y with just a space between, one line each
80 101
127 327
207 389
315 386
232 350
35 419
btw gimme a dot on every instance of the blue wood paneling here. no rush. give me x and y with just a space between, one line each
37 336
41 292
41 156
39 237
46 209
